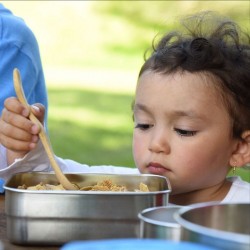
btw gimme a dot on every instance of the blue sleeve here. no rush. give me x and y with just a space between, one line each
19 49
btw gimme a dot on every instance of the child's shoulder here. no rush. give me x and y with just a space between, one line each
238 182
239 191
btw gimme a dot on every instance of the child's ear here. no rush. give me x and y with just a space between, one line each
242 154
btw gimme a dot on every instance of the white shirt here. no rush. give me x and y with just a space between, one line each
239 191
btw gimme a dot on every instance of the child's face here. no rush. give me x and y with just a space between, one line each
182 130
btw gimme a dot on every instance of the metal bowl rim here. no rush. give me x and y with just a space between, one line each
158 222
89 192
84 192
215 233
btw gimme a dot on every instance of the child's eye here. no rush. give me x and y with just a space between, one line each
186 133
143 126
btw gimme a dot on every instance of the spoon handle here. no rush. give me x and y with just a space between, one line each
43 136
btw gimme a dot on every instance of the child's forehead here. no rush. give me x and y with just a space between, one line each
175 99
202 77
180 84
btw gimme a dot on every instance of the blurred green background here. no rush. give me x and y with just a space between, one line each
92 52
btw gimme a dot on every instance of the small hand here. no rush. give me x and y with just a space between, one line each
17 133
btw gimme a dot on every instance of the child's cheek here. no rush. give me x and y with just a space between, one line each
138 152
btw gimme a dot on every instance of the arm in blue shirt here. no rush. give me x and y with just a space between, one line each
19 49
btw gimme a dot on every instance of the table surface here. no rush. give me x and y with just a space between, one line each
3 236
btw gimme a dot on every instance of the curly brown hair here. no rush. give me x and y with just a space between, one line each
213 45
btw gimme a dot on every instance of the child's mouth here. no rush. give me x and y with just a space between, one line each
156 168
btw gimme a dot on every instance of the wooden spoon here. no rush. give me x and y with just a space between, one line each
43 136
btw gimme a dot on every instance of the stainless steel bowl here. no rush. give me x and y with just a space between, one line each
225 226
55 217
159 223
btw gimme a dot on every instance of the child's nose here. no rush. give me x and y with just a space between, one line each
159 142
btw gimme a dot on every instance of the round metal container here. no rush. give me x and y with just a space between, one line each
224 226
159 223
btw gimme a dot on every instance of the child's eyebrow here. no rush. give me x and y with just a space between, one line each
140 107
189 113
174 113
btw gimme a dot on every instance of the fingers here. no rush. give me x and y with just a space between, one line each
17 132
17 137
18 145
14 116
13 105
38 110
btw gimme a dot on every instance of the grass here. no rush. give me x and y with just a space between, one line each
108 34
90 126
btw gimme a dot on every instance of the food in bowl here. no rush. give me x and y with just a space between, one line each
105 185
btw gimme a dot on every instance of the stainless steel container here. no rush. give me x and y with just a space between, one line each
159 223
56 217
224 226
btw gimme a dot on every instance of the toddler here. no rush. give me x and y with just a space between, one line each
191 113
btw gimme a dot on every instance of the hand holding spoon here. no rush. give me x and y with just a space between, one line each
43 136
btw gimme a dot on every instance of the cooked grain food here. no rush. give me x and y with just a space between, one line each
42 186
105 185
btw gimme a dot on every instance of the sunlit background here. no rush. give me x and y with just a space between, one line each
91 53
